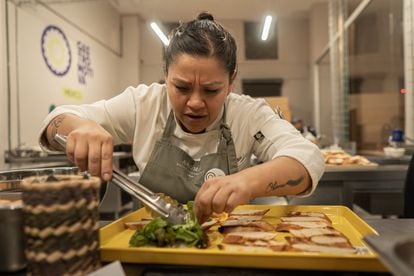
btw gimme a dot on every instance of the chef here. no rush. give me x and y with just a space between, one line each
192 138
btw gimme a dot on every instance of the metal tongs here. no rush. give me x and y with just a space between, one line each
172 213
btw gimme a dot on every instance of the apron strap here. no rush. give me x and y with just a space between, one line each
169 127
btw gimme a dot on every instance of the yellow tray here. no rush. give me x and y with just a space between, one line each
114 240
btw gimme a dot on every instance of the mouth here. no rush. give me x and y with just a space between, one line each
195 117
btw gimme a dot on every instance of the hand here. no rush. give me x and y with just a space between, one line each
90 147
221 194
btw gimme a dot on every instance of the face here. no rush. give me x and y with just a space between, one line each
197 88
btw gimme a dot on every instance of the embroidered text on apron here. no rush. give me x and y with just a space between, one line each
172 171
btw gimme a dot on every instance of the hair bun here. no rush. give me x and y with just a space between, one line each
205 16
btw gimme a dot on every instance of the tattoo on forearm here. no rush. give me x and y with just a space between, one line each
56 123
272 186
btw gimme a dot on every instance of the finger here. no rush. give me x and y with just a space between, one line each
106 162
203 201
219 201
94 158
232 203
70 149
81 154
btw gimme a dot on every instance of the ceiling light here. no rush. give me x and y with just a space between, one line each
266 27
159 33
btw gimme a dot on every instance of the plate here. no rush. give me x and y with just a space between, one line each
114 245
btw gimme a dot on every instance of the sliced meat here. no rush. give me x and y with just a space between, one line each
336 241
304 218
242 237
243 248
135 225
286 227
208 224
309 232
264 225
320 248
249 212
277 245
231 229
250 218
308 214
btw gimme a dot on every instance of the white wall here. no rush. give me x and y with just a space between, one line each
130 61
292 65
34 88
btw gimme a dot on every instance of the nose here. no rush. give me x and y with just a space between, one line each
196 100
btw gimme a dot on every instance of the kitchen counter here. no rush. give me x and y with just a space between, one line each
31 165
367 186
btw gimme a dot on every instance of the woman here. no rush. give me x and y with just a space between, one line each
192 137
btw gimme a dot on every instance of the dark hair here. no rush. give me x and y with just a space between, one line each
204 37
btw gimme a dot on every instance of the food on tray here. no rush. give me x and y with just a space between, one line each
209 223
249 212
310 232
252 240
307 219
313 232
309 247
246 225
243 237
135 225
159 232
340 157
308 214
255 246
286 226
246 230
244 248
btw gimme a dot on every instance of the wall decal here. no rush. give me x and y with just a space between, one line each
84 62
56 50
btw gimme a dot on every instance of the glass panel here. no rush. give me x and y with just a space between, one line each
376 105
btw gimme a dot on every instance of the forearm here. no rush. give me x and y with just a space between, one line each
278 177
62 124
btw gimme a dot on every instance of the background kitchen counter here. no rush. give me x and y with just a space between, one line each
367 186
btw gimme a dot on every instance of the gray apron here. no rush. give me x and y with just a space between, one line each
172 171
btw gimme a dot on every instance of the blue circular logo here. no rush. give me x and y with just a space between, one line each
55 50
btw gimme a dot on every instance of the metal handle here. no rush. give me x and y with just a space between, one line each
139 191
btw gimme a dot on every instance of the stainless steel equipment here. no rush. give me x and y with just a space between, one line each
171 210
11 234
396 252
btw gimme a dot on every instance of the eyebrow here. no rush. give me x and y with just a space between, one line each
204 84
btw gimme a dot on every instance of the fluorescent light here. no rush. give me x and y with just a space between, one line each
159 33
266 27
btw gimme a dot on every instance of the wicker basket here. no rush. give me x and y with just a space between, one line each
61 224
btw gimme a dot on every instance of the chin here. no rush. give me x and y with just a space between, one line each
194 130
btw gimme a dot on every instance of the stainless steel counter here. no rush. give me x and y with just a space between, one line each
394 245
369 186
19 166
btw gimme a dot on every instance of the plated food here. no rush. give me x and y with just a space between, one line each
158 232
248 230
339 157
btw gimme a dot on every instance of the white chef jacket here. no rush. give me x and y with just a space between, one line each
139 115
